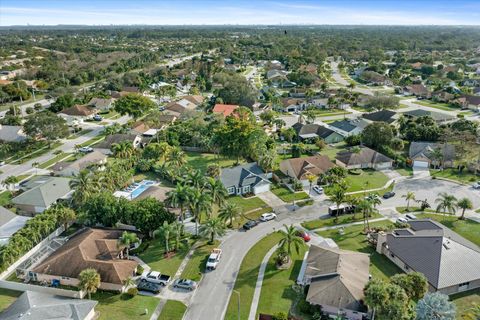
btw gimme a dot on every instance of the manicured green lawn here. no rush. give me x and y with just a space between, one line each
154 256
436 105
7 297
247 204
5 198
330 221
288 196
453 174
201 161
277 294
196 265
247 277
468 229
331 152
122 307
354 239
172 310
369 179
55 159
465 301
405 171
252 215
79 133
92 141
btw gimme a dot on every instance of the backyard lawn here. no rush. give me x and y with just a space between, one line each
466 228
200 161
154 256
5 198
354 239
122 307
247 276
277 294
331 151
172 310
465 301
288 196
367 179
247 204
196 265
453 174
7 297
330 221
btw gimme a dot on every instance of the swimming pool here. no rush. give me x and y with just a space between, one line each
143 185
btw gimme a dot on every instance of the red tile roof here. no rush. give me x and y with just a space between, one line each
225 109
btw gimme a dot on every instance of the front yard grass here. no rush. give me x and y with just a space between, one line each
468 229
55 159
247 204
465 301
196 265
172 310
288 196
330 221
406 172
5 197
200 161
453 174
7 297
367 179
277 293
354 239
247 276
436 105
154 256
122 307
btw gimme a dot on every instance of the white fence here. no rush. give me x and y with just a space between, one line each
18 286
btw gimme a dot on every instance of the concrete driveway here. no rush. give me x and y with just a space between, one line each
271 199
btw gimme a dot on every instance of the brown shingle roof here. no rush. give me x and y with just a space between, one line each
195 99
92 248
301 167
78 110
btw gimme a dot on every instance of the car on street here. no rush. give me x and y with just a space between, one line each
250 224
268 216
302 234
214 259
401 220
149 286
97 117
155 277
86 149
185 284
410 216
476 185
318 189
388 195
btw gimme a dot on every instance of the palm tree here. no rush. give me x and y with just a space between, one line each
464 204
290 238
65 216
351 86
337 196
123 150
166 230
217 191
267 160
212 228
176 157
127 239
447 203
178 198
89 281
366 207
229 211
375 199
311 179
129 282
437 155
177 232
409 196
35 165
198 203
84 187
10 180
195 179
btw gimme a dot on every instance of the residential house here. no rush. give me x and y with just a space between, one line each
450 263
101 104
471 82
418 90
9 224
364 158
383 115
161 194
77 114
224 109
186 104
442 96
436 116
245 179
425 154
301 168
349 127
375 78
70 169
471 102
12 133
43 193
336 279
105 146
293 104
312 131
417 65
89 248
32 305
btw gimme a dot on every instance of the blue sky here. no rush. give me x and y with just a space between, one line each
188 12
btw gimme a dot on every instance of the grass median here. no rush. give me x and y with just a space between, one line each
172 310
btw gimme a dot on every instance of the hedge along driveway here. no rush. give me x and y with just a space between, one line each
247 277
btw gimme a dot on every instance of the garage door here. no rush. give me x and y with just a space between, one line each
261 188
420 164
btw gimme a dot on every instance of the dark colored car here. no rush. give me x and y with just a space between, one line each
149 286
388 195
250 224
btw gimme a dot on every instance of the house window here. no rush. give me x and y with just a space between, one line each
246 189
392 255
231 190
407 268
463 286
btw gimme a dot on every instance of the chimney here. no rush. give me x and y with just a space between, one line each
381 239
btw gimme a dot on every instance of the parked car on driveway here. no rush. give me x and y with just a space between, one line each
268 216
318 189
185 284
214 259
302 234
250 224
86 149
149 286
388 195
401 220
155 277
476 185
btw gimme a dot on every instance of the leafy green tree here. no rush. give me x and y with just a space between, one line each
377 135
415 284
63 102
212 228
436 306
65 216
134 105
89 281
389 300
45 125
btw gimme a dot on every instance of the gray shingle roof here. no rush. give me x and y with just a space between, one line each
343 125
437 116
366 155
435 251
11 133
425 150
249 174
45 194
115 138
311 128
382 115
41 306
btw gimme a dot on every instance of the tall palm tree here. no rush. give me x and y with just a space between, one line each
178 198
409 196
123 150
217 191
375 199
165 231
176 157
437 155
177 232
464 204
65 216
10 180
214 227
127 239
89 281
446 203
198 203
337 196
366 207
84 186
311 179
267 160
290 239
195 179
229 211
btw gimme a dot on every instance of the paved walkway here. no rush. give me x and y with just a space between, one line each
158 310
258 285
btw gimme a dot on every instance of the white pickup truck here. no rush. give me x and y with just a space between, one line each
214 259
155 277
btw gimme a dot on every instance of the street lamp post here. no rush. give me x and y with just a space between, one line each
238 303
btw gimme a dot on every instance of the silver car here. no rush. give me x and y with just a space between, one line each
185 284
